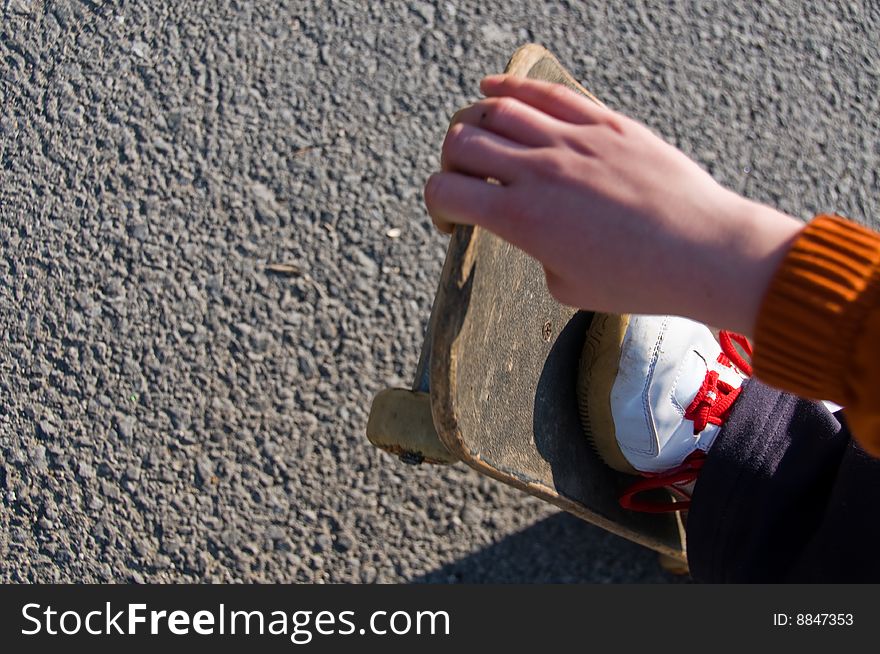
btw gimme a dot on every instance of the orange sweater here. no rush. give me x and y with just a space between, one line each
818 329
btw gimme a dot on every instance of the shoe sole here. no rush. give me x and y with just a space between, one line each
599 365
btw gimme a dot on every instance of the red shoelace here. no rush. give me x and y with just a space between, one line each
711 405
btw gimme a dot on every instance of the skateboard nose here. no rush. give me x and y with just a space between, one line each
401 423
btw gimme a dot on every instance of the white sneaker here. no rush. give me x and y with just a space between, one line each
654 392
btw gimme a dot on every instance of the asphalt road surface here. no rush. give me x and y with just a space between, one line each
169 411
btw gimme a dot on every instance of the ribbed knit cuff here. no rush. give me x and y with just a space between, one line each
814 309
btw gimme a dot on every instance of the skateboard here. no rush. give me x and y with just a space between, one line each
496 384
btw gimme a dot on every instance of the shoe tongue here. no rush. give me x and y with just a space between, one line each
728 374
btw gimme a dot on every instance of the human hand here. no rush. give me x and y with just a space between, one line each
621 221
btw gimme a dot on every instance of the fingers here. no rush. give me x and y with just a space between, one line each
476 152
491 138
453 199
552 99
458 199
512 119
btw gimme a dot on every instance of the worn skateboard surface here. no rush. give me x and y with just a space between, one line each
502 374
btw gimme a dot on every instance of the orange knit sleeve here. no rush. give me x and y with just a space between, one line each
818 328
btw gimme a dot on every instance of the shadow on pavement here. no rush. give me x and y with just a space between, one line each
558 549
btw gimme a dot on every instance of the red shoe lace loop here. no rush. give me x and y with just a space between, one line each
711 405
671 479
726 339
715 398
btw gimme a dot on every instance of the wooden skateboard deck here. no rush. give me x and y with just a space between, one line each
502 373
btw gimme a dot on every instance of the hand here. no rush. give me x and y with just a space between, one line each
621 221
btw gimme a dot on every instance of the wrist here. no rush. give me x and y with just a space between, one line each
768 239
753 241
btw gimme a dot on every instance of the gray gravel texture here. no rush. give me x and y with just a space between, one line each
171 411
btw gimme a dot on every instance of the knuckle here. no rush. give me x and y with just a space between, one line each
558 93
453 144
494 110
454 135
576 140
619 123
548 163
433 190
